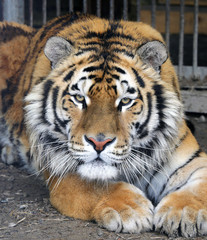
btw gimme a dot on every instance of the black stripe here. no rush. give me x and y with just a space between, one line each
139 95
138 78
89 49
75 87
8 32
125 81
115 76
69 76
47 87
108 35
131 90
160 105
127 53
115 25
141 128
134 104
92 76
91 87
54 105
52 142
119 70
65 20
158 89
182 139
195 155
180 186
109 80
93 68
115 89
65 92
137 113
90 43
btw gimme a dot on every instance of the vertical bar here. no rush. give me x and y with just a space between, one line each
181 40
1 10
71 6
138 10
44 11
195 40
58 7
167 23
31 13
85 6
111 7
153 13
98 8
13 10
125 9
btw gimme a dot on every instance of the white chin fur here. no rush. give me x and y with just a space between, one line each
97 171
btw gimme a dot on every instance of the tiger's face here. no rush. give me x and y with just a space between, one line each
100 114
104 106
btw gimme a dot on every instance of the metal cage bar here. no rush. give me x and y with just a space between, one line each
153 13
167 23
44 11
181 40
71 6
98 8
111 10
31 13
125 9
85 6
13 10
138 10
58 8
195 40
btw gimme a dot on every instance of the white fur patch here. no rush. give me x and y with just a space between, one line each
97 170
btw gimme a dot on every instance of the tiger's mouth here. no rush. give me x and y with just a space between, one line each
99 161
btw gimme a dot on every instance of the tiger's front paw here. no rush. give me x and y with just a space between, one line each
125 209
178 215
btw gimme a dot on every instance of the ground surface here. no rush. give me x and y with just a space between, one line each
25 211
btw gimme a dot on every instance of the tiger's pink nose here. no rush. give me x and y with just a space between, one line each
99 145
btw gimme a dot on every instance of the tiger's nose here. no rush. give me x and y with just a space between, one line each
99 144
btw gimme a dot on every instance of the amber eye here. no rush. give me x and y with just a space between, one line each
125 101
79 98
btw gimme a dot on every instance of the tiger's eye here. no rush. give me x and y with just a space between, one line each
79 98
125 101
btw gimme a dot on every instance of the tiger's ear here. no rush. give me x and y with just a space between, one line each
153 53
57 48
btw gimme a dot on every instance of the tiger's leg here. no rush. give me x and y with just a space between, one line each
118 206
184 211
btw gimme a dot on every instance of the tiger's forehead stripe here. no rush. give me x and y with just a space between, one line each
69 75
138 78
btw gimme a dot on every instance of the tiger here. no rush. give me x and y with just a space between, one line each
94 106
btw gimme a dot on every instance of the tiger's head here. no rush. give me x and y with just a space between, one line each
108 107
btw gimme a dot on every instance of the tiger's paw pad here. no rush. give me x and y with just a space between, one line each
131 214
187 222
